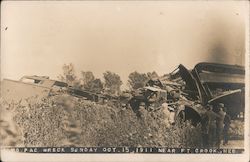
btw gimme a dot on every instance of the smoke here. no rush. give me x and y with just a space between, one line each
218 53
226 39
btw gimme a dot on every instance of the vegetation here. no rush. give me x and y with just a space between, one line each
67 121
69 75
112 83
137 80
90 83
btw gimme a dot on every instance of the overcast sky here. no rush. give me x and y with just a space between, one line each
38 37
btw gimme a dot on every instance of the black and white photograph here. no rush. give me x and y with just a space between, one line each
124 78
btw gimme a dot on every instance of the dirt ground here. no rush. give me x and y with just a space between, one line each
234 144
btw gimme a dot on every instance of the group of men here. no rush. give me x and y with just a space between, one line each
215 122
214 126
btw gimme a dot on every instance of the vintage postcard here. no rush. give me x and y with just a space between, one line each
124 81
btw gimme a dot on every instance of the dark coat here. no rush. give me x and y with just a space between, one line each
220 119
227 121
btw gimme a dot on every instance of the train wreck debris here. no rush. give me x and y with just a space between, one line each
187 92
184 92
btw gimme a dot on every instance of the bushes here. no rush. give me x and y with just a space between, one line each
8 128
67 121
236 130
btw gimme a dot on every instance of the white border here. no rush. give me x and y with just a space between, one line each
24 157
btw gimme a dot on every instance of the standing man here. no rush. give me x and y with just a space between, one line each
227 122
172 115
141 110
211 124
204 129
219 124
166 113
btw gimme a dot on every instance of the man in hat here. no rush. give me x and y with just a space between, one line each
227 122
141 109
142 106
171 115
205 128
152 97
211 117
219 124
166 112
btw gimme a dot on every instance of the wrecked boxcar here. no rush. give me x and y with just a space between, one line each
30 86
212 83
42 86
188 91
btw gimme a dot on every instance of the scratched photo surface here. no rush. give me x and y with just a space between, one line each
123 74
